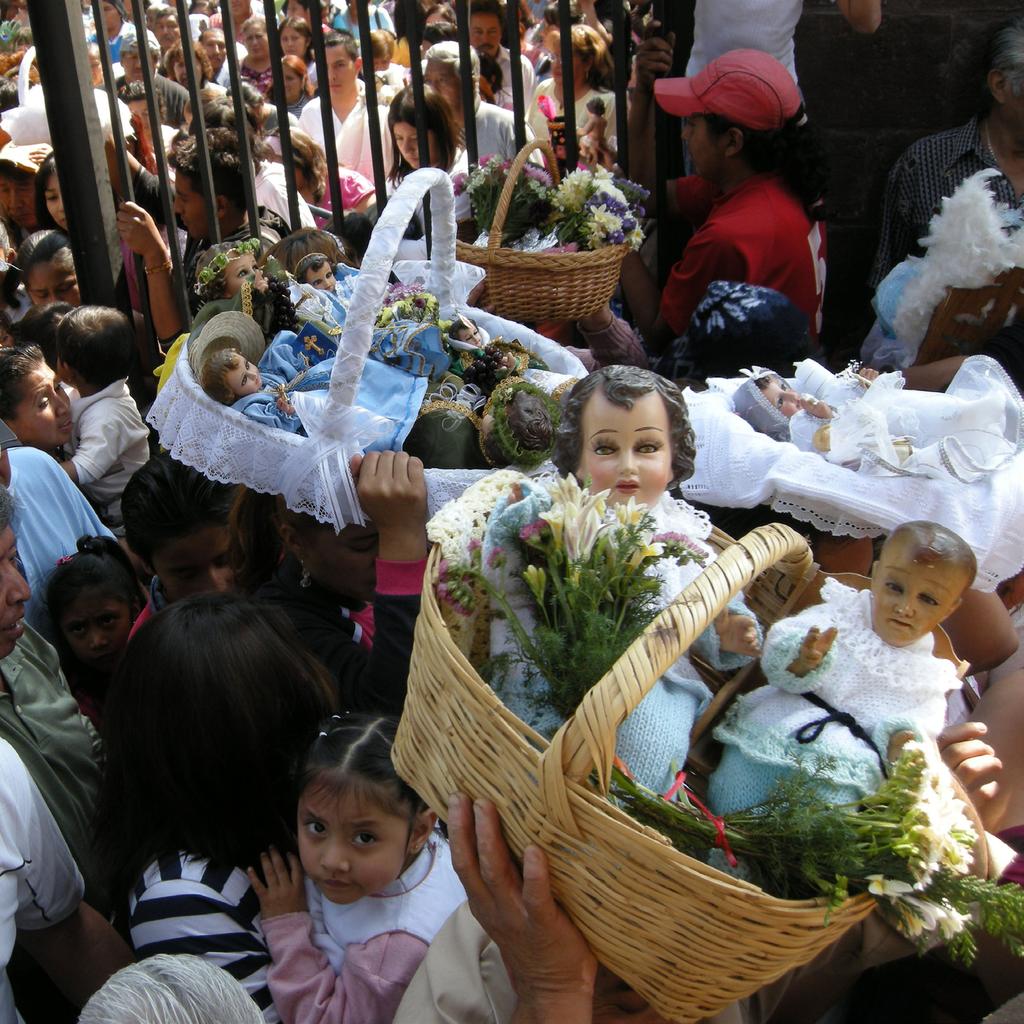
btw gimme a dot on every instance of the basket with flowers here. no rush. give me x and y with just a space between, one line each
552 248
573 582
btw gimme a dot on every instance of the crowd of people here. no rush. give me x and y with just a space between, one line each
200 686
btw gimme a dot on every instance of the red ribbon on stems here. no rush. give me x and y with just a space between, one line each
720 839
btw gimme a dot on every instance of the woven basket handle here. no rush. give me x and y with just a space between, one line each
505 199
586 742
372 282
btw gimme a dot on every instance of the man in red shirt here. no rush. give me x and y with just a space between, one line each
754 199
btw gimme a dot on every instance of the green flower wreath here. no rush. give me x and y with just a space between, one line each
219 263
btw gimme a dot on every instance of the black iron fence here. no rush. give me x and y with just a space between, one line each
64 71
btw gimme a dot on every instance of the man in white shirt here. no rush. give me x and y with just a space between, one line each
486 18
351 127
41 897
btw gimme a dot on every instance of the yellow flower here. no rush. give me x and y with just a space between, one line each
655 550
555 518
630 513
536 579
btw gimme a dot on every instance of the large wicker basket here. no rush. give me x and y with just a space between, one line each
536 286
688 938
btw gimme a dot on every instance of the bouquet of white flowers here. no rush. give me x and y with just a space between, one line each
909 845
594 209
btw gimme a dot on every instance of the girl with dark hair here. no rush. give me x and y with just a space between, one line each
32 403
206 723
350 918
444 152
442 134
49 204
93 597
46 266
754 197
352 596
297 41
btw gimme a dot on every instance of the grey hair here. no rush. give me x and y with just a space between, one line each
6 508
167 989
1006 53
447 53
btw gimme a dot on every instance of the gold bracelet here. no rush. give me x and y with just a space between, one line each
159 268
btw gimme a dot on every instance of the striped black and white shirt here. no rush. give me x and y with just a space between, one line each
183 904
928 171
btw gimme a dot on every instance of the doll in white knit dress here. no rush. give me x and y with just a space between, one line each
846 675
625 430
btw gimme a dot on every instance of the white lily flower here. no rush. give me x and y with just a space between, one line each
879 885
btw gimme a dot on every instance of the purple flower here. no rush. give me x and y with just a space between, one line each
531 530
459 182
616 238
496 558
474 544
628 224
538 174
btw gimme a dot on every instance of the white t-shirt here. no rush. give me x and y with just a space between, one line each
351 136
272 193
110 441
504 98
39 882
723 25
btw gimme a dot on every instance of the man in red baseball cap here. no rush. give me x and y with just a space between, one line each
747 87
754 199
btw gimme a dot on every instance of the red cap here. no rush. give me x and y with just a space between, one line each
750 88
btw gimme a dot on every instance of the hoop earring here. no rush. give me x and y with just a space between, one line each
305 580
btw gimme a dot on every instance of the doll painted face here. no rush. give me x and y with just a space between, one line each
783 398
467 331
320 276
627 451
912 591
243 379
242 268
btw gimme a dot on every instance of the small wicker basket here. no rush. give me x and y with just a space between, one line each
688 938
536 286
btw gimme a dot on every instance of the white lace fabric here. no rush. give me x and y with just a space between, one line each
739 468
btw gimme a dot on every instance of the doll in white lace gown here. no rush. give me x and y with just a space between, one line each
868 421
847 674
625 430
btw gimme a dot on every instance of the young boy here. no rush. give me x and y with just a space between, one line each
109 439
176 522
848 674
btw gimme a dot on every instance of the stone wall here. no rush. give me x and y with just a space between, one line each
871 96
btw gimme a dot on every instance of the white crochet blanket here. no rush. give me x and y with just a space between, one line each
738 468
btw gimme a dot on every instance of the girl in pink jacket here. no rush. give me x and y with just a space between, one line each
349 919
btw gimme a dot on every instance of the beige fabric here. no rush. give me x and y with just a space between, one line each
462 980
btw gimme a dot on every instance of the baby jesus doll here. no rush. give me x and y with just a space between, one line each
262 389
225 267
228 279
315 269
846 675
593 146
625 430
262 386
863 418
